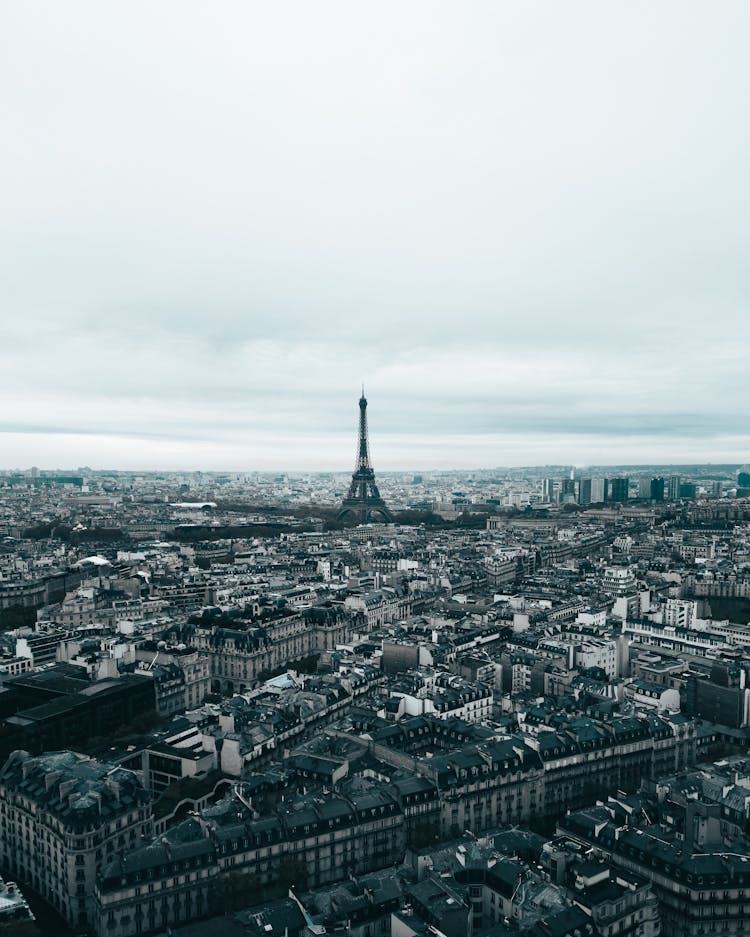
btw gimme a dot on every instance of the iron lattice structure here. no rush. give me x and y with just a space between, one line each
363 502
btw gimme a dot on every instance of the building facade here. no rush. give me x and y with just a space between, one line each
63 816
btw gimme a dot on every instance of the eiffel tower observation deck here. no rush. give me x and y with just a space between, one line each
363 502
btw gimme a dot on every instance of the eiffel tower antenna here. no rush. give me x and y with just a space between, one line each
363 502
363 448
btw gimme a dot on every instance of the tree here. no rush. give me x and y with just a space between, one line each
293 872
233 892
39 532
20 929
17 616
423 833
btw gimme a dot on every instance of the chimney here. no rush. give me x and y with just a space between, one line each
687 845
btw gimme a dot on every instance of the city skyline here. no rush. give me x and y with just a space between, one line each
374 483
343 469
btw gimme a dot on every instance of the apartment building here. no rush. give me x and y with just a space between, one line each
307 844
63 816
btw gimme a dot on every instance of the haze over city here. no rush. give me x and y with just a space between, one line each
522 226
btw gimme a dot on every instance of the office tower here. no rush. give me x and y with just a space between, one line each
598 490
657 489
584 491
673 488
618 489
549 489
687 490
644 487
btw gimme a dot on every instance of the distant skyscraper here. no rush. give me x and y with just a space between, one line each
568 491
598 490
549 489
673 488
687 490
363 502
644 487
657 489
584 491
618 489
743 481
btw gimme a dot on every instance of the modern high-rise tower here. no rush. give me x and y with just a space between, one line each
363 502
568 491
618 489
657 489
598 490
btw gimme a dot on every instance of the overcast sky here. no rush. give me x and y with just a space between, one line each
525 226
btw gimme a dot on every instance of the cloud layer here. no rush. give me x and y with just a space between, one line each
523 226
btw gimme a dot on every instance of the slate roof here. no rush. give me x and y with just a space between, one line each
80 791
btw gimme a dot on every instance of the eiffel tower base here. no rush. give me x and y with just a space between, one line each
364 512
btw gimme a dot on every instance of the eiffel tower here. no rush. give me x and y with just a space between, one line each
363 502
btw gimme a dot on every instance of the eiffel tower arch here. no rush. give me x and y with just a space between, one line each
363 502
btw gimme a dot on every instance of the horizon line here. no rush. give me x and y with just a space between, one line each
321 471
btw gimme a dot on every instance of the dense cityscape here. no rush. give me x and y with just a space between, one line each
374 469
509 702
